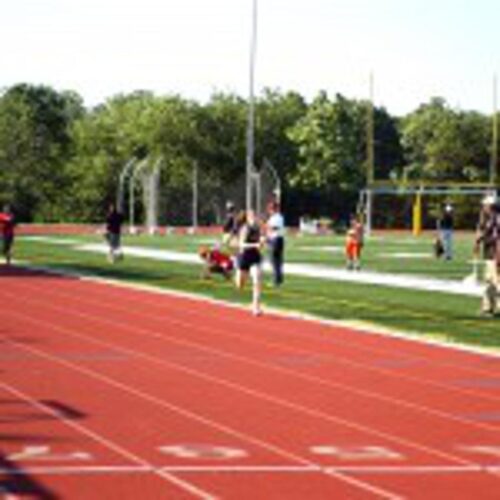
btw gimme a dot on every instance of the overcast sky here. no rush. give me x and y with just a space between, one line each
416 48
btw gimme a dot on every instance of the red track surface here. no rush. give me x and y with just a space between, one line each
108 392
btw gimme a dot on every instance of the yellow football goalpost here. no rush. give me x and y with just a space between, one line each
418 189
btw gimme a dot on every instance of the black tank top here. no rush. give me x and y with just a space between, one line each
253 234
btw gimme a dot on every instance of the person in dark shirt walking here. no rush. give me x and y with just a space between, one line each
114 221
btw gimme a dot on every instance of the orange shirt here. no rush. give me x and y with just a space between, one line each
352 244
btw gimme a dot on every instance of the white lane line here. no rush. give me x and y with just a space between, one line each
67 470
251 469
356 326
311 378
277 345
200 419
311 412
365 329
184 485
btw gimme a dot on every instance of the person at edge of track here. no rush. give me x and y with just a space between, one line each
488 239
7 225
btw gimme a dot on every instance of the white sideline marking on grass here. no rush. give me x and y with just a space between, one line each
53 240
149 253
314 271
406 255
328 249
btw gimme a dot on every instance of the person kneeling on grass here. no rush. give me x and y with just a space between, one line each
215 262
250 258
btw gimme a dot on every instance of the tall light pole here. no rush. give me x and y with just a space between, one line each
370 157
251 109
494 139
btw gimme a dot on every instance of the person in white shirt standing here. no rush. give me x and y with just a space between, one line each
276 241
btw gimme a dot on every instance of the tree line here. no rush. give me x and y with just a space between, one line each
60 161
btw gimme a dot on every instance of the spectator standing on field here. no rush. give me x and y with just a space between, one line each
488 237
7 224
275 228
446 232
354 244
230 227
114 221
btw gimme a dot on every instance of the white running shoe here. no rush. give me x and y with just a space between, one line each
257 311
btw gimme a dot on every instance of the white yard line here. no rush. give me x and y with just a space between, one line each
312 271
52 240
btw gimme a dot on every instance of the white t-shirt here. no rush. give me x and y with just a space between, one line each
276 226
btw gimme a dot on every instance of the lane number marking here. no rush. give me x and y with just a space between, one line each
203 451
357 452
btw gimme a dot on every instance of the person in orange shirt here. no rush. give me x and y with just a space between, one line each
354 244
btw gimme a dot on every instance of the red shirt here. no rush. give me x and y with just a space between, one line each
7 224
220 259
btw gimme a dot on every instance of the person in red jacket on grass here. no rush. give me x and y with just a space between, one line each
7 223
215 262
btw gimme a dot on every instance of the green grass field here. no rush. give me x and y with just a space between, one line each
437 315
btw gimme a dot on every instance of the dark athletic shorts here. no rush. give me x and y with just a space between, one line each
7 242
249 258
113 240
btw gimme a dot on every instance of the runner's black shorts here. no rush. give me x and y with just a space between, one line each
7 242
250 257
113 240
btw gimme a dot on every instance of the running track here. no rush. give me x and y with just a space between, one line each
112 392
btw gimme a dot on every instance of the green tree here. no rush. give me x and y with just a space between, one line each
331 147
444 145
104 139
35 142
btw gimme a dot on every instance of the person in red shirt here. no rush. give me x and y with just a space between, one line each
7 223
216 262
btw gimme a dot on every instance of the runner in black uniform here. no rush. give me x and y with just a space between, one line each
250 258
